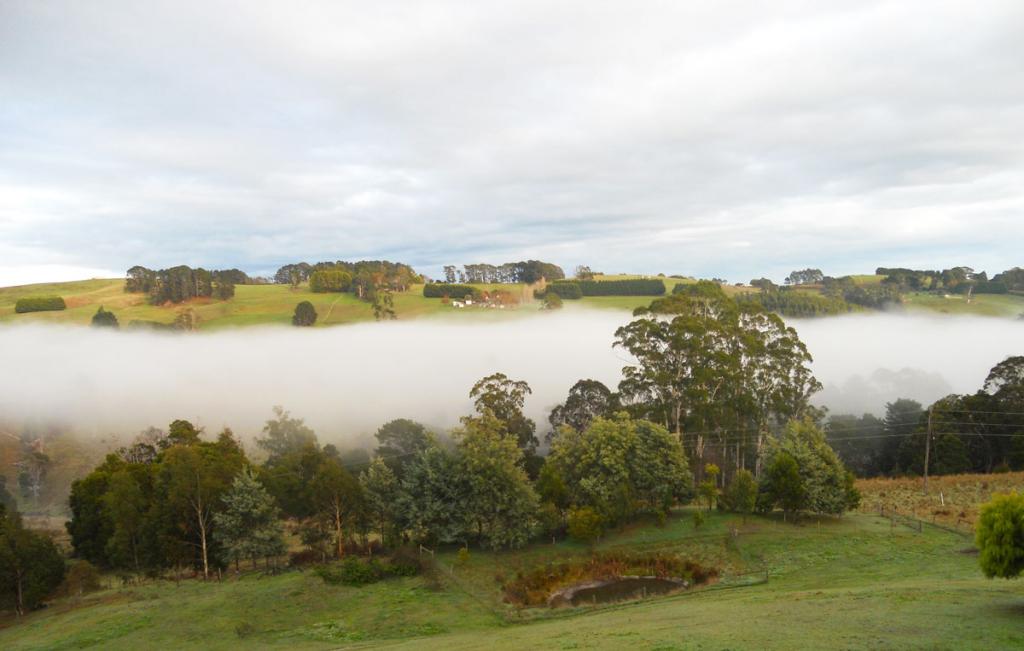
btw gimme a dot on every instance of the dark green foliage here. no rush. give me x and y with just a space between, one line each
359 572
566 289
741 494
182 432
363 278
1000 536
39 304
104 319
861 443
1013 279
793 303
181 283
631 287
527 271
440 290
6 498
330 280
988 287
587 400
305 314
399 441
90 526
31 566
504 398
782 486
805 277
871 296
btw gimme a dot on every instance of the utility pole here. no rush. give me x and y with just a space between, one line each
927 448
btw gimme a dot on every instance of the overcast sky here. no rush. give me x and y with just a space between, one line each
729 139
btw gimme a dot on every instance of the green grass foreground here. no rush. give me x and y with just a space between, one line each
850 583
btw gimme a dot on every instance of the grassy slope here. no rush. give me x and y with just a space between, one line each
252 305
850 583
274 304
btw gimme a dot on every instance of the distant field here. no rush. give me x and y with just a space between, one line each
252 305
983 304
952 500
274 304
852 582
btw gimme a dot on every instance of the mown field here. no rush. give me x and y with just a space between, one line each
853 582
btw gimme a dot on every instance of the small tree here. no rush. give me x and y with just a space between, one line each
1000 536
305 314
709 487
742 493
104 319
248 527
31 566
585 524
381 488
783 486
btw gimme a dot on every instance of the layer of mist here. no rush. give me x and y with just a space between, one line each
347 381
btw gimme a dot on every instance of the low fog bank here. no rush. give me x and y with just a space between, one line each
347 381
867 360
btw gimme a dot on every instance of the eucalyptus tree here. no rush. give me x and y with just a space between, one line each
709 368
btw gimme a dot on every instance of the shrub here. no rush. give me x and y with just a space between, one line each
104 319
40 304
330 280
305 315
82 578
564 289
439 290
358 572
585 524
632 287
698 519
552 301
1000 536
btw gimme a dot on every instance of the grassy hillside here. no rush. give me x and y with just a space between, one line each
854 582
252 305
274 304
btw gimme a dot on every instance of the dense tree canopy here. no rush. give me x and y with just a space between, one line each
707 367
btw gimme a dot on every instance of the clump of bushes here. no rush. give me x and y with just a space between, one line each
40 304
356 571
439 290
568 290
82 578
633 287
573 289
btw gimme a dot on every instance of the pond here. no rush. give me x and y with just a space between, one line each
620 589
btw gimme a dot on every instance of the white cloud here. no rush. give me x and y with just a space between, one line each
649 137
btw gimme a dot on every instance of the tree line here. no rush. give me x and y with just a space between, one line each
526 271
981 432
181 283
